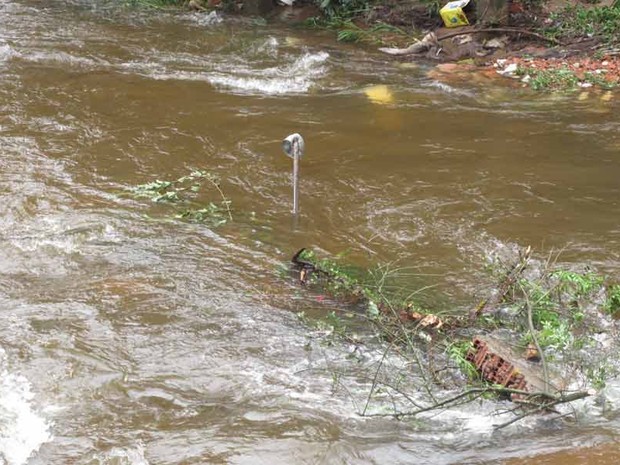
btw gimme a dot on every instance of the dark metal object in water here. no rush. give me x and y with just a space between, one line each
304 267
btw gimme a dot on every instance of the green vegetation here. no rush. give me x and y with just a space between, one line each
559 301
343 9
369 289
579 21
563 78
553 309
186 191
348 31
612 302
457 352
555 79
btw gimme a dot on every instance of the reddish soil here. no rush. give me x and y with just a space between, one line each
605 69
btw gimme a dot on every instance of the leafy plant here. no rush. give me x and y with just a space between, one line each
212 215
185 190
578 284
612 303
343 9
457 352
351 32
576 21
157 191
551 79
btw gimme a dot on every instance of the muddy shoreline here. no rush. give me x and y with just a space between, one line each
533 44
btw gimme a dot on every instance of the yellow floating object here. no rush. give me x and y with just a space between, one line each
453 15
607 96
380 94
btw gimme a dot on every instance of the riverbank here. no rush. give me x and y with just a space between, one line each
547 45
552 45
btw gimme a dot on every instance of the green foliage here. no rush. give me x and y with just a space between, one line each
355 286
578 21
562 304
551 79
562 79
612 302
544 309
578 284
186 190
555 334
599 81
457 352
347 283
599 374
157 191
212 215
343 9
557 299
350 32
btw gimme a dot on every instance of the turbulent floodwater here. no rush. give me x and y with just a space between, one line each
132 337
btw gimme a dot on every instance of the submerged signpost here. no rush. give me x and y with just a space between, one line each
293 147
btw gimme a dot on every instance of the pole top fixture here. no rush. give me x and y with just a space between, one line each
293 145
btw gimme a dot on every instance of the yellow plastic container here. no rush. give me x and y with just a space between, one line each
453 15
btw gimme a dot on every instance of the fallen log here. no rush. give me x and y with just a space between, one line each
421 46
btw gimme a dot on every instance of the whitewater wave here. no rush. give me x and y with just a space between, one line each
294 78
6 52
22 429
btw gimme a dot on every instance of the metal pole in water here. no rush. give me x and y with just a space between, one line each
293 147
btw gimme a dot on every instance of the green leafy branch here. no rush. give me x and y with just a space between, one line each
186 190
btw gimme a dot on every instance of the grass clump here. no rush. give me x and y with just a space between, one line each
340 10
348 31
550 79
367 290
578 21
563 79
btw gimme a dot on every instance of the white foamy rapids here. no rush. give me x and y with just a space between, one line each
6 52
22 430
203 20
66 60
210 19
295 78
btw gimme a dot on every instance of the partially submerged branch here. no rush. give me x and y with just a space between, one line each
541 309
532 402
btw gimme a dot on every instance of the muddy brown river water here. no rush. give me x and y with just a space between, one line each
132 337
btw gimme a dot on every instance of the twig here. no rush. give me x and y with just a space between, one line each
546 406
504 287
225 201
375 378
547 402
530 324
396 390
409 343
501 29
